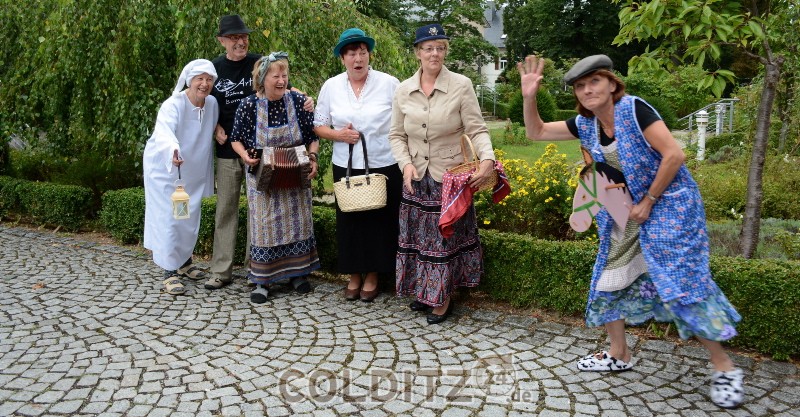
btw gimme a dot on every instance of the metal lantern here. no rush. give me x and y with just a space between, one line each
180 203
180 200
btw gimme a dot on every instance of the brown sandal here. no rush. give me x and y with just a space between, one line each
192 272
173 285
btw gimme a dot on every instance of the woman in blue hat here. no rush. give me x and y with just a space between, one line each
353 103
658 269
431 111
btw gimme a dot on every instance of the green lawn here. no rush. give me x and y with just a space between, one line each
531 152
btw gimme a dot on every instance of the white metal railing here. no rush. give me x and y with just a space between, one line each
720 117
486 94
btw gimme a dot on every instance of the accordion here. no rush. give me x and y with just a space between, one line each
283 168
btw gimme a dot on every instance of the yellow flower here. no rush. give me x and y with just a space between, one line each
486 221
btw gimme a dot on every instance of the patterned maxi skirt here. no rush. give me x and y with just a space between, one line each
282 242
714 318
429 267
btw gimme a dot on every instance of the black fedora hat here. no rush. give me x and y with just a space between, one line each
231 25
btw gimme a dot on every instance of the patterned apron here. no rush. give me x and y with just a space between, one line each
284 215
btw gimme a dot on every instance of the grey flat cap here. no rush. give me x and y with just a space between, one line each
586 66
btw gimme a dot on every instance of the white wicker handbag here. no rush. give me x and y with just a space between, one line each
360 192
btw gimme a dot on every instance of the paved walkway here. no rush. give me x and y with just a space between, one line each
85 330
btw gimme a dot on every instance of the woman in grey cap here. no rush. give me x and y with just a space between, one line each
659 268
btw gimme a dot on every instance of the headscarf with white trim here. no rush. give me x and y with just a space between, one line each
191 70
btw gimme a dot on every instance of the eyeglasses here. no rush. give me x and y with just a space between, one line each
430 49
274 56
237 38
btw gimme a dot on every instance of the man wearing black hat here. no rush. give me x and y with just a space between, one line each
234 83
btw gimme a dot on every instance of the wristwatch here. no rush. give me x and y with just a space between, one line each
650 196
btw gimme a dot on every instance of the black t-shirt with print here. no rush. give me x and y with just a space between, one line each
234 83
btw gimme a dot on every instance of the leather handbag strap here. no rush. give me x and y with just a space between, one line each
350 160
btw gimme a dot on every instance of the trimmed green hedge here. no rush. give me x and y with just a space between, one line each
526 271
767 295
123 214
565 114
67 206
9 202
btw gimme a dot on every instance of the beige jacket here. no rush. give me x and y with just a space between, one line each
426 131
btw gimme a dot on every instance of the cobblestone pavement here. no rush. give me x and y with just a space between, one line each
85 330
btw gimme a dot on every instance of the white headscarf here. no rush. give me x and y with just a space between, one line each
193 69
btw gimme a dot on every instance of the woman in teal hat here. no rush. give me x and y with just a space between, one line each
356 103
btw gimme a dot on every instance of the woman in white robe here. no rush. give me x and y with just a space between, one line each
182 138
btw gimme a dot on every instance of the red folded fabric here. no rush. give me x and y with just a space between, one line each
457 196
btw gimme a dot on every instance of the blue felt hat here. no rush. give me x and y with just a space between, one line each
429 33
353 35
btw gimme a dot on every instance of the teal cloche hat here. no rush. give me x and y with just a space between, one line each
353 35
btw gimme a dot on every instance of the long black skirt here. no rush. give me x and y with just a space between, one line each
367 240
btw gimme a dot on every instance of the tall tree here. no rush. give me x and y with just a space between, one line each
392 11
694 32
562 29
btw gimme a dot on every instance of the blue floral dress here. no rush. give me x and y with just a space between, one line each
678 286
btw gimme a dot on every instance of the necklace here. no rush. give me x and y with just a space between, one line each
356 92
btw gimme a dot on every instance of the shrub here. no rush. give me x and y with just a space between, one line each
4 156
9 198
664 110
790 242
122 214
545 103
526 271
565 114
724 188
34 164
716 143
514 134
677 90
501 110
67 206
777 238
725 154
541 199
565 100
767 295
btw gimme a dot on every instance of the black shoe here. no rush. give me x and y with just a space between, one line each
438 318
259 295
301 285
418 306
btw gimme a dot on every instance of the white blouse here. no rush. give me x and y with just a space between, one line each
370 114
